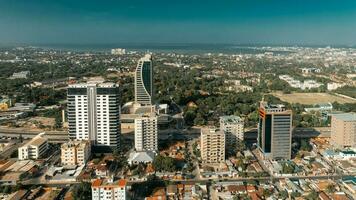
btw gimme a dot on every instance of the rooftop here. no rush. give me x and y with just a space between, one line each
231 119
73 143
211 130
38 140
345 116
147 57
100 182
93 84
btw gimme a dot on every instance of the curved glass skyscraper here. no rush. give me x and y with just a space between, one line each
144 81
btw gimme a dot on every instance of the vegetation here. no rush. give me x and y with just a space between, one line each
288 168
82 191
331 188
283 194
347 107
312 195
196 151
347 90
305 145
163 163
144 189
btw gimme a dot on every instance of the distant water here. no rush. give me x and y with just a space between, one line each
172 48
163 48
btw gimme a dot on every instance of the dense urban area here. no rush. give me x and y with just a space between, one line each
265 123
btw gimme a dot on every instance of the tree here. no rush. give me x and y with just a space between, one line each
141 190
312 195
283 194
287 168
331 188
24 175
295 194
305 145
196 151
82 191
189 117
162 163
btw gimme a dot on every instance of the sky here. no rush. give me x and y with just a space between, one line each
304 22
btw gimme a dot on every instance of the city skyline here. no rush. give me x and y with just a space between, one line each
232 22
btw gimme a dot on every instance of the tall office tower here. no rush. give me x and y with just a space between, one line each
144 81
233 127
343 130
275 131
94 113
212 145
146 130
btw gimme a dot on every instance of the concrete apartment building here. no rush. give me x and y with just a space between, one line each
144 81
75 153
94 113
102 190
212 145
34 149
343 130
275 131
146 133
233 127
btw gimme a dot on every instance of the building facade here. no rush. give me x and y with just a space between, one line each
113 191
275 131
146 133
343 130
34 149
212 145
94 113
75 152
144 81
233 127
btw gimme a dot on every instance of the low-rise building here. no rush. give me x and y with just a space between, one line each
334 86
20 75
75 152
306 84
34 149
103 190
141 157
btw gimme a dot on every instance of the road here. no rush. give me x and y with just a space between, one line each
206 181
53 136
7 152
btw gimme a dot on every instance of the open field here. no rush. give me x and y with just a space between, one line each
312 98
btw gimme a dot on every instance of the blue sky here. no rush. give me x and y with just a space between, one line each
329 22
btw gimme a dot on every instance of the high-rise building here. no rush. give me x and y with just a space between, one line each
343 130
102 190
34 149
233 127
75 152
94 113
144 81
212 145
275 131
146 132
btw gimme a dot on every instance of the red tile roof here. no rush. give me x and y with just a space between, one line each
96 183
